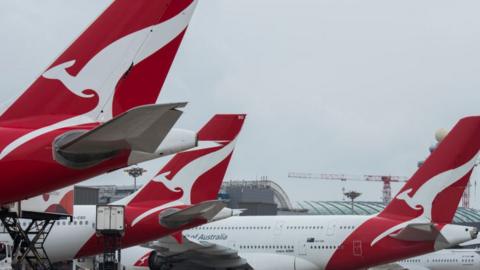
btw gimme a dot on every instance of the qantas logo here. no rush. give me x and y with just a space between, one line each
144 260
101 74
184 180
422 199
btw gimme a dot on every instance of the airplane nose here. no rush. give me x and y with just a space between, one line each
474 233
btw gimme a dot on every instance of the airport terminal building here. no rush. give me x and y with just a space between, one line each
265 197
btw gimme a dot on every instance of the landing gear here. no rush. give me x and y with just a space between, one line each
28 240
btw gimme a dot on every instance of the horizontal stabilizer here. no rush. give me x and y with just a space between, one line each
142 129
417 232
201 211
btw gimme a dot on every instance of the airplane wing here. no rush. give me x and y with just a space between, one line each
193 254
204 210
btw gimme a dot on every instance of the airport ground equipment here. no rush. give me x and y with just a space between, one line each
39 215
110 225
6 248
28 242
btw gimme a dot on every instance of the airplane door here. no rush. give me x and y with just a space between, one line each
301 248
232 245
357 248
279 228
331 228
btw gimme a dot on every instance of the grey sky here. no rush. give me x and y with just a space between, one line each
331 86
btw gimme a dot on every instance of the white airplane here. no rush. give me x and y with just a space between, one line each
182 195
448 259
416 222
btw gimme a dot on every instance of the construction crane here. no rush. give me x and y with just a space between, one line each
386 179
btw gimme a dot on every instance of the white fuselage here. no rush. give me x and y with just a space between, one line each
270 242
462 259
281 242
309 239
304 242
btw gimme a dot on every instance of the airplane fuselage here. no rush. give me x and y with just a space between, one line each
463 259
316 242
30 169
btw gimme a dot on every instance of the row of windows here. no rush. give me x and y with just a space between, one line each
445 260
411 260
64 223
234 228
268 228
286 247
326 247
317 227
440 260
58 223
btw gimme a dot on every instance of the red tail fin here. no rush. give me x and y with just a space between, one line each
436 188
120 62
196 175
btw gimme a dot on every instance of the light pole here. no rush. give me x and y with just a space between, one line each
135 172
352 195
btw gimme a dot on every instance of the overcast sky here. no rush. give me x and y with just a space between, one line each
329 86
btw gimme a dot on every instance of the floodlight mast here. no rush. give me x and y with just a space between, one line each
352 195
135 172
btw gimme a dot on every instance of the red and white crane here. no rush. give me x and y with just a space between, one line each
386 179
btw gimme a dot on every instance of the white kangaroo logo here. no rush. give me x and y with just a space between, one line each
426 194
103 72
105 69
184 180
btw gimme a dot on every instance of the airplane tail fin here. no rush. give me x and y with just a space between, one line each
120 62
435 190
58 202
194 176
